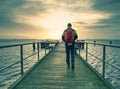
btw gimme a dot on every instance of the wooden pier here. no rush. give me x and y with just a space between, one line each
52 73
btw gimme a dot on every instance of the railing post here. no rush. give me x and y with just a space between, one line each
21 55
45 47
86 52
38 50
104 52
33 45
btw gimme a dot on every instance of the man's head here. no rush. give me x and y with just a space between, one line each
69 25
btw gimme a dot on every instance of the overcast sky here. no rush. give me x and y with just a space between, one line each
47 19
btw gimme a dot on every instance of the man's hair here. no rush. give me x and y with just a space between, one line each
69 25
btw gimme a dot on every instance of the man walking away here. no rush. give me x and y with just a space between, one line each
69 36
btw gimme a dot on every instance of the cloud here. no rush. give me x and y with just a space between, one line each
111 21
32 8
110 6
7 12
30 14
13 11
114 20
10 10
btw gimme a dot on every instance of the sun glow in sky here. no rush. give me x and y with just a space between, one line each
47 19
56 20
56 23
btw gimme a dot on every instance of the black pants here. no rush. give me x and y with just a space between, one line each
69 53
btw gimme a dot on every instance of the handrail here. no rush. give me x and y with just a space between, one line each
14 45
9 66
103 45
21 53
103 59
17 62
116 67
104 54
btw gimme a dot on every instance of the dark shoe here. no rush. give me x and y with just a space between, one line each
73 66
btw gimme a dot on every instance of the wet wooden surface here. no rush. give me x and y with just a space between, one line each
52 73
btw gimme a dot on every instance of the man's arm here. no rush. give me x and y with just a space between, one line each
75 35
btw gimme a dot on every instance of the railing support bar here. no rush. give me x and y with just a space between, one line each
104 52
45 47
38 48
86 52
21 55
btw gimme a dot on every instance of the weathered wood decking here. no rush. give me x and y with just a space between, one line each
52 73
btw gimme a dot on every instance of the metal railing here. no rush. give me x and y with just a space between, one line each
21 53
104 62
